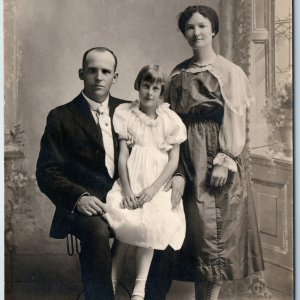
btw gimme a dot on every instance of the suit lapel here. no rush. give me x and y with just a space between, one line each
113 103
84 118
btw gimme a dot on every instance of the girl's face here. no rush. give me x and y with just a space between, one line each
149 94
198 31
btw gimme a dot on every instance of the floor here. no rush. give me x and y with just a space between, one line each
178 291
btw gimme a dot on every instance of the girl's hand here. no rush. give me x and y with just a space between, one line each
219 176
129 200
146 195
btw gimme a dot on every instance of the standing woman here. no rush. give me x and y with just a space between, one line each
211 95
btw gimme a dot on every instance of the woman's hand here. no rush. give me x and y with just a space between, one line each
177 184
218 176
129 200
146 195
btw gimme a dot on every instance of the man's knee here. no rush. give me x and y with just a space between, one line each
93 229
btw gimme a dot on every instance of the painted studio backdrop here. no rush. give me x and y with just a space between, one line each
44 44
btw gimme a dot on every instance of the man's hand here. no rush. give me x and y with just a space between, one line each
90 205
177 184
218 176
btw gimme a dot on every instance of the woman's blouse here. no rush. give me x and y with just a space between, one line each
228 84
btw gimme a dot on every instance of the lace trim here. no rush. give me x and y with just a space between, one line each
224 160
161 109
146 119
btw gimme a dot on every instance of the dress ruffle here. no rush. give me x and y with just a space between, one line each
128 118
143 117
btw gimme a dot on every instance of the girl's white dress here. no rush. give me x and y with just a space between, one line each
156 225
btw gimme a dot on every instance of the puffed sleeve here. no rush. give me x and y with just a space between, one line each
174 129
120 120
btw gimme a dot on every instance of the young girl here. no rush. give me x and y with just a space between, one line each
138 208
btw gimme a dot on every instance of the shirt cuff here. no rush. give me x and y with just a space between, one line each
84 194
179 174
224 160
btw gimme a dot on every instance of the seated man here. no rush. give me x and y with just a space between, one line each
77 166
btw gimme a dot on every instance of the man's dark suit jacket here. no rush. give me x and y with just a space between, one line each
72 160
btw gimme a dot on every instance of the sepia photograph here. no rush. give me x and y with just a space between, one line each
148 149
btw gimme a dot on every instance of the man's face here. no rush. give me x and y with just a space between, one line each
98 75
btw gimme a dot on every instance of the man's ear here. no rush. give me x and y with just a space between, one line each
80 73
116 75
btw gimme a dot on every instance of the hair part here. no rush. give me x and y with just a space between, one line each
205 11
153 74
99 49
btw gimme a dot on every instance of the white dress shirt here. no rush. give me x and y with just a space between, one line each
100 112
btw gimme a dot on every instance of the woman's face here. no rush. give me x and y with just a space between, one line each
198 31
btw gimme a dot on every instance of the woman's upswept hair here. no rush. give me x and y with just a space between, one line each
153 74
205 11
